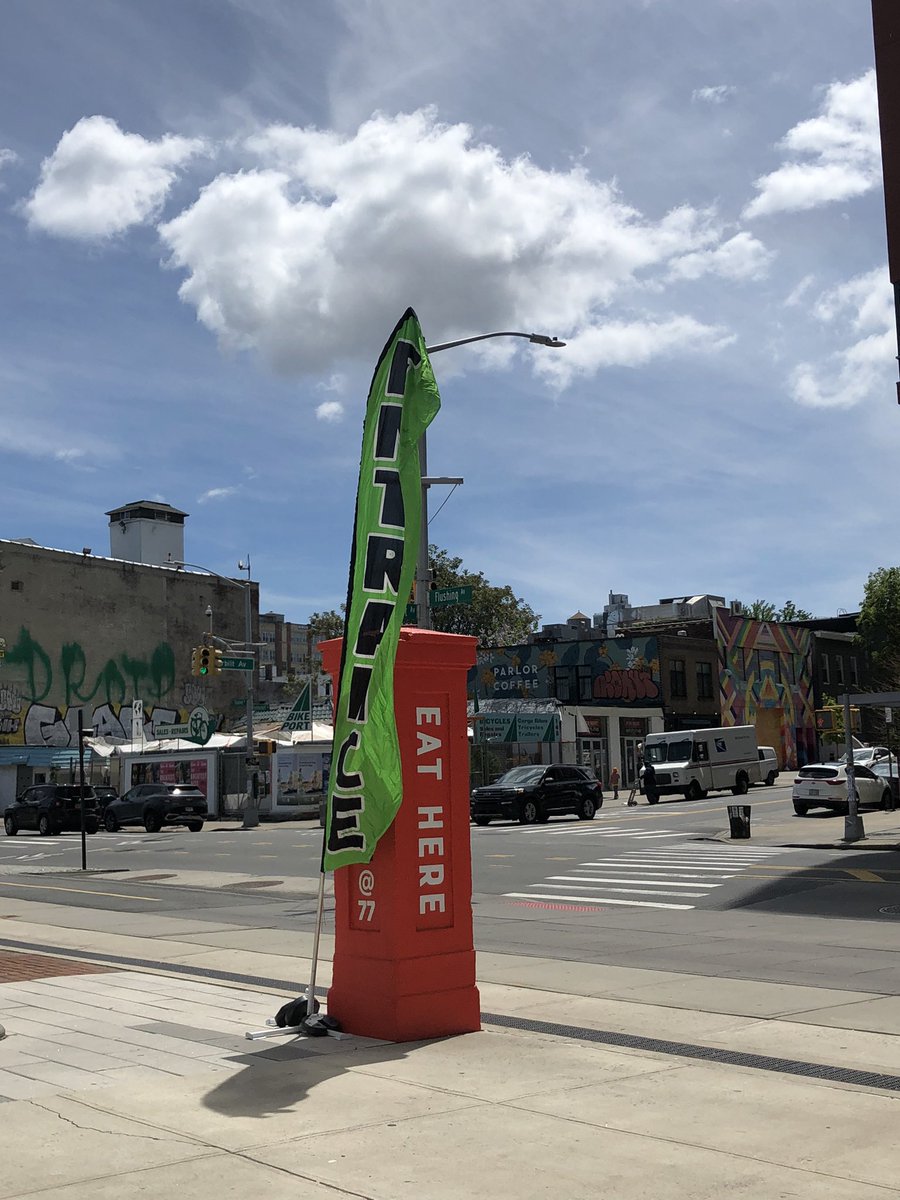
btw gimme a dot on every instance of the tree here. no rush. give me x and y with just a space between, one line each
878 627
496 616
328 624
765 610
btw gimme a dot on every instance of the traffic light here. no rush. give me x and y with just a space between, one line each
206 658
195 661
825 720
215 664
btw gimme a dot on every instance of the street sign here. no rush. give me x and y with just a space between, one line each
198 728
236 664
410 617
446 597
137 719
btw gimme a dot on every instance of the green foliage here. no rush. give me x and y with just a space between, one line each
765 610
496 616
878 628
328 624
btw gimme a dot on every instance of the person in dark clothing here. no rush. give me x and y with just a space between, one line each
650 784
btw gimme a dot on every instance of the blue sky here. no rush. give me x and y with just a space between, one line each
212 213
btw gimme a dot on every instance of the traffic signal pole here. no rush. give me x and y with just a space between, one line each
251 808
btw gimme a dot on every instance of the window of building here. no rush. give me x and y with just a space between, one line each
704 681
677 678
585 684
824 669
854 670
838 669
562 684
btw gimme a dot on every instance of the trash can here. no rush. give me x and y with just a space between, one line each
739 819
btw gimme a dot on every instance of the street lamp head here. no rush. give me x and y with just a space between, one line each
541 339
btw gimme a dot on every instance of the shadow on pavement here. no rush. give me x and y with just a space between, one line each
265 1088
859 884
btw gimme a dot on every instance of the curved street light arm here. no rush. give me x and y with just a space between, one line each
539 339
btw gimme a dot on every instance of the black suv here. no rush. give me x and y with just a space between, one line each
156 804
530 794
52 808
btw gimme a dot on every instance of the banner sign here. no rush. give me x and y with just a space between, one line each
300 716
516 727
365 787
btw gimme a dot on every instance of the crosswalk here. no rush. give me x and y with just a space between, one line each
666 878
603 829
33 848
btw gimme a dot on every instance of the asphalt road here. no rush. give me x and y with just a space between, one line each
651 887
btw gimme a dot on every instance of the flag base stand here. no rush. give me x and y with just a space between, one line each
273 1030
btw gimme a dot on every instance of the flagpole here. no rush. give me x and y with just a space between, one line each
311 1005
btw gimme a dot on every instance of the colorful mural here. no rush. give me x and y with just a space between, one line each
612 673
41 693
765 679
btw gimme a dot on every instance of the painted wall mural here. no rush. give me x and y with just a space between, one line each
620 671
41 694
765 679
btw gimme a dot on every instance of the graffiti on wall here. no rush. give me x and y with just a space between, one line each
33 679
616 672
29 723
37 673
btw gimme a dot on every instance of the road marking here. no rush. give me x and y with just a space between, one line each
599 900
626 891
864 875
595 879
50 887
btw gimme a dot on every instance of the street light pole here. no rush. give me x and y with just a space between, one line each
423 572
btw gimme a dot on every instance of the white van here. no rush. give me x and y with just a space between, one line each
697 761
768 766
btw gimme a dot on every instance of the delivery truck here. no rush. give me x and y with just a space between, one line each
694 762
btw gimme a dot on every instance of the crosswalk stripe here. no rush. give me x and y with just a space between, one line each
626 891
598 900
595 879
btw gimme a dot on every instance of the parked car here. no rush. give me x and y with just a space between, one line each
768 765
51 808
156 804
104 794
887 772
865 756
535 793
824 785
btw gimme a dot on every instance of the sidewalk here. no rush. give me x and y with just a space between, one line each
587 1081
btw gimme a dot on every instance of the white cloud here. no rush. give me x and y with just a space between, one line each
309 258
99 180
713 95
863 369
7 157
843 148
741 257
629 344
330 410
219 493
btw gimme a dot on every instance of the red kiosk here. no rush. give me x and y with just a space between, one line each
404 956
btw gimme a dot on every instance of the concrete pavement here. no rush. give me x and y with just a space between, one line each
133 1076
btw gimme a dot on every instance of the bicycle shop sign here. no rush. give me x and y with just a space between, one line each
198 728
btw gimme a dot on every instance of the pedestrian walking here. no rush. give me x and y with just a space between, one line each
650 784
614 782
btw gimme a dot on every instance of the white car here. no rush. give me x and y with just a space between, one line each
864 756
824 785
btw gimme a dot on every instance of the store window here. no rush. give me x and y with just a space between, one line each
704 681
677 678
562 684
